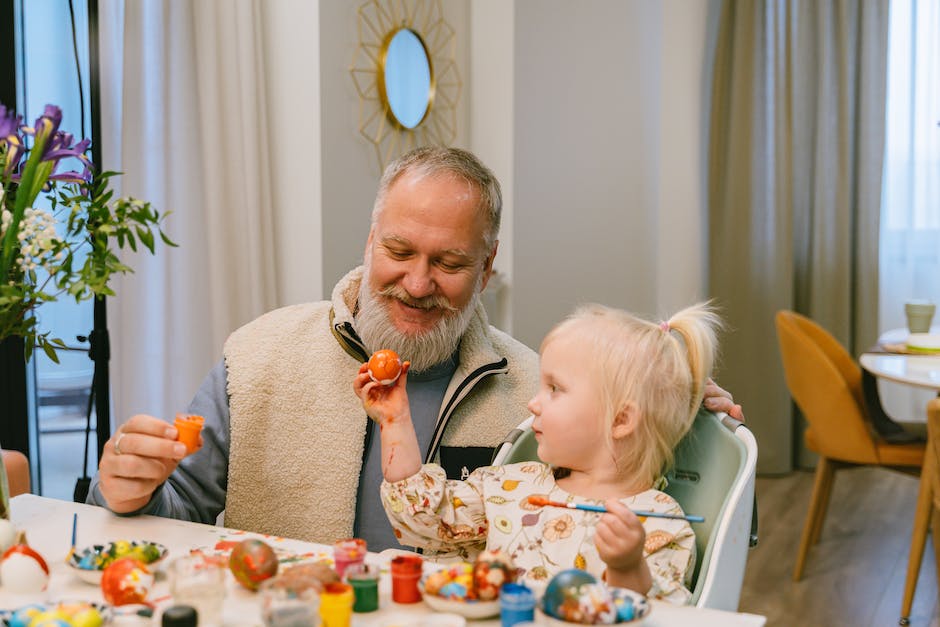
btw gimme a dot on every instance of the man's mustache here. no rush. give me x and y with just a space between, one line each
428 302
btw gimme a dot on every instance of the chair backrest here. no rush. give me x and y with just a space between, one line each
713 476
825 382
933 451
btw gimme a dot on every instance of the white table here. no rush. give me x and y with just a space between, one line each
921 371
48 526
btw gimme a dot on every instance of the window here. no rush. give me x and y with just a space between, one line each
910 221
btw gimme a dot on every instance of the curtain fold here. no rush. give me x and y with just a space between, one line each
188 128
794 183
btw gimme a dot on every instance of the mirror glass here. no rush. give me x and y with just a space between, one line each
407 78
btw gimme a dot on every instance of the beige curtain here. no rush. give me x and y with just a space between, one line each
794 188
185 119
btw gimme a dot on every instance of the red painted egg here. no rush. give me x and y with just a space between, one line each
384 366
23 569
252 561
126 581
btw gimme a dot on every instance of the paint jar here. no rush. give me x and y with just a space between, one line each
336 603
516 604
348 552
364 580
188 426
406 572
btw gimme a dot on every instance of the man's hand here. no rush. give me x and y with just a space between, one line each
136 460
718 399
619 538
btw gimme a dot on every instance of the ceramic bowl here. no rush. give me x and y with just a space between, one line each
89 563
467 609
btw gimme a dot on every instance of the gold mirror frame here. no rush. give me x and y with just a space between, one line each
378 22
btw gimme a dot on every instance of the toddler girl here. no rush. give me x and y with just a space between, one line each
616 394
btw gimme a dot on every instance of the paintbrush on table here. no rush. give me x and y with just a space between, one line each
541 501
74 534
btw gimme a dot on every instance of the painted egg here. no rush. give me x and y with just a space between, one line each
23 616
252 561
23 569
490 571
385 366
126 581
563 593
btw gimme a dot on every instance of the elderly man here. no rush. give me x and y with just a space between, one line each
287 449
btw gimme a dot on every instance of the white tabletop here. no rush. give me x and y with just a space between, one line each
48 526
922 371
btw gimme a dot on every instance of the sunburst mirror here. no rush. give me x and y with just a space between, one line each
406 76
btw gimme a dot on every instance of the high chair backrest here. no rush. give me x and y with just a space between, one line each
713 476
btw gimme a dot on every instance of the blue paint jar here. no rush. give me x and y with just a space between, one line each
516 604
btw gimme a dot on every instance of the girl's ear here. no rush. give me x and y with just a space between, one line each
625 422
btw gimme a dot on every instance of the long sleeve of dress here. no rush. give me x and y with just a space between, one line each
431 512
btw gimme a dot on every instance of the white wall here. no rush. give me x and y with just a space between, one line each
603 150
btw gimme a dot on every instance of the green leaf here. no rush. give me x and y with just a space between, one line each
49 350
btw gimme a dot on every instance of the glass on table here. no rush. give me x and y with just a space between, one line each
198 580
347 553
291 600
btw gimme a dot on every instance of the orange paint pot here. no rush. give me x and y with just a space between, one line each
189 427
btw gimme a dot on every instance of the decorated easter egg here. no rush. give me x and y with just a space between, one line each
23 616
126 581
385 366
22 569
490 571
252 561
562 595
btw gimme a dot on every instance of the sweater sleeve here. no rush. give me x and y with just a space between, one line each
196 489
670 554
431 512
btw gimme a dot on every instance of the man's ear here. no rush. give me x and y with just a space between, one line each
625 422
488 266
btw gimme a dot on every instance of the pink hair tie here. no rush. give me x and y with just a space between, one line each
664 325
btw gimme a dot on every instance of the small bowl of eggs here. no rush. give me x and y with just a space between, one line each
72 613
89 563
470 590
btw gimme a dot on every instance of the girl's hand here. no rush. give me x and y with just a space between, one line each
385 404
619 538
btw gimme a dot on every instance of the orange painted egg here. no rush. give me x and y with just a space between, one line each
385 366
252 561
125 581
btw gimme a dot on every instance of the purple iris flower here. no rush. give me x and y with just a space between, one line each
57 145
10 139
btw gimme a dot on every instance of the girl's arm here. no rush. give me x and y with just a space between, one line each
388 406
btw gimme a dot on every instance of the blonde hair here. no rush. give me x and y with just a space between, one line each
659 368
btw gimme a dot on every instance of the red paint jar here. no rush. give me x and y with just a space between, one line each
406 572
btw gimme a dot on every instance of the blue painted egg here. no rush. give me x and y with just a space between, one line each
564 588
24 615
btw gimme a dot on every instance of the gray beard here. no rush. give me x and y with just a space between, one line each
423 350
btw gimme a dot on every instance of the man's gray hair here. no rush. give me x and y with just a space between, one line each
434 160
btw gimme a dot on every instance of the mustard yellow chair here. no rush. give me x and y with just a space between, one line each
826 384
17 468
928 510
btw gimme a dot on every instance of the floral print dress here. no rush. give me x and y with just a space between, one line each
490 509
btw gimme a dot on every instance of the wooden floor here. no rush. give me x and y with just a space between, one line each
855 575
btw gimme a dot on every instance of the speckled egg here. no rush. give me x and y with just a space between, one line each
565 593
490 571
252 561
126 581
